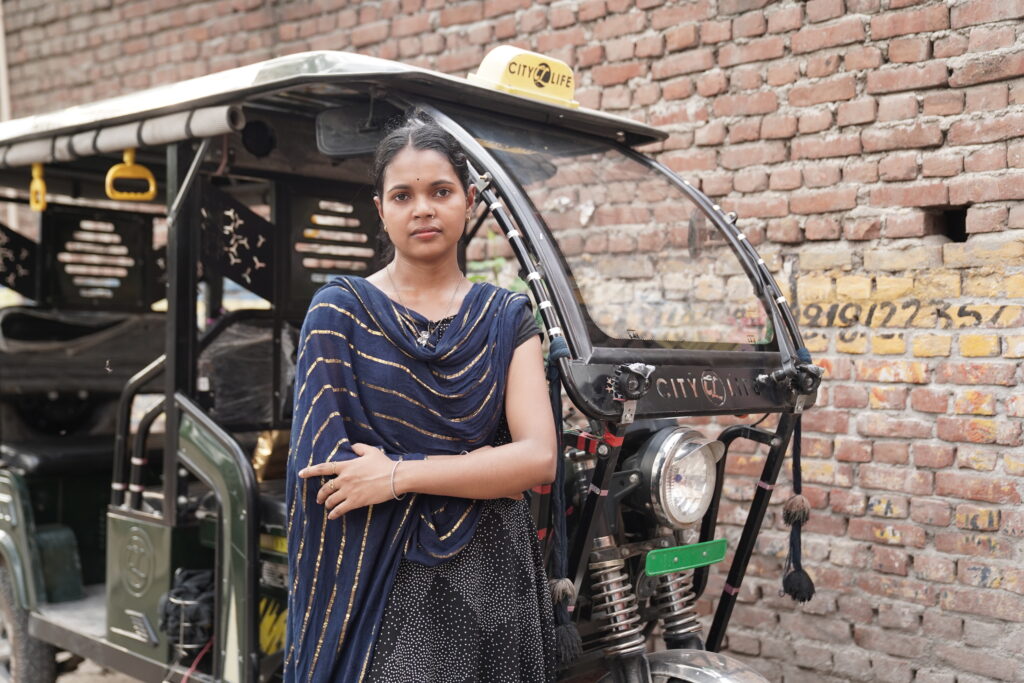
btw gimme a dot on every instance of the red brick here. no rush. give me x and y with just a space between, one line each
974 430
785 231
931 455
897 107
816 147
988 38
779 126
828 421
785 19
615 74
673 16
715 31
978 131
618 25
740 156
744 130
889 561
988 68
900 479
822 10
862 229
932 18
976 487
842 87
890 533
910 50
986 219
891 452
745 105
820 66
754 51
912 372
910 194
975 12
845 502
822 228
862 57
987 97
929 511
681 37
751 24
737 6
758 206
465 13
814 120
968 189
902 166
841 32
976 373
942 165
683 63
943 103
984 545
915 77
978 518
857 111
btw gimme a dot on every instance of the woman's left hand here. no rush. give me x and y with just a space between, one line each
355 483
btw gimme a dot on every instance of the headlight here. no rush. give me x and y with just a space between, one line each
679 469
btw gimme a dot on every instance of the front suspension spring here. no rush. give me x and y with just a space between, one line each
677 604
615 604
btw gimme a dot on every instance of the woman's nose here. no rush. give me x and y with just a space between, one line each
422 207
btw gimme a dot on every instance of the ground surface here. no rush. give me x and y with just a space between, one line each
89 672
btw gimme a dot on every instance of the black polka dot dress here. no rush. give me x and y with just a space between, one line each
484 616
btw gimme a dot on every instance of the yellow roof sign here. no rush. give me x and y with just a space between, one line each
521 72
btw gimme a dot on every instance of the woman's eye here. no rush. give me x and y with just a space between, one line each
400 196
443 192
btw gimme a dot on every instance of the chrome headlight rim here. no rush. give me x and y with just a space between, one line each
672 444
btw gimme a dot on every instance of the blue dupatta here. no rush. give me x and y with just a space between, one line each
362 378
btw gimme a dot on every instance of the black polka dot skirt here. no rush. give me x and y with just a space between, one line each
485 615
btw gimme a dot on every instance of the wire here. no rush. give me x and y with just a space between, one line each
195 664
763 418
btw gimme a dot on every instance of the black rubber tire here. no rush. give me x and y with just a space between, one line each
31 660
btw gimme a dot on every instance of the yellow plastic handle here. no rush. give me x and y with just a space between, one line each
37 189
129 170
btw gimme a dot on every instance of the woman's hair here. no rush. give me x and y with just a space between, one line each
419 132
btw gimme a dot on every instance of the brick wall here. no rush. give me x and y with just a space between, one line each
872 148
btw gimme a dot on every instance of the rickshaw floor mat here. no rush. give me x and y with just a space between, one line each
59 456
87 615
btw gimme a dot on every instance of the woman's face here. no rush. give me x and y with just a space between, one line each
423 205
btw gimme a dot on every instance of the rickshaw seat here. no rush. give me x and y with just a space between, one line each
273 513
59 456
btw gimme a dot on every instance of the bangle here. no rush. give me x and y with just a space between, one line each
393 469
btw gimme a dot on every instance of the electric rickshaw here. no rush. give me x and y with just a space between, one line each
168 244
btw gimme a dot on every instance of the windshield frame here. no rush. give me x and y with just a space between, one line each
584 333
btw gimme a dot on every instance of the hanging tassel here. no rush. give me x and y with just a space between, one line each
796 583
568 643
796 510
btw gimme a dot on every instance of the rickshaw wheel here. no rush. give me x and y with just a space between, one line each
22 657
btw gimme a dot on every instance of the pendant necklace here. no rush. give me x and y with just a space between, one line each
424 336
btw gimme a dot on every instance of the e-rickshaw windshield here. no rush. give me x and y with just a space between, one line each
649 266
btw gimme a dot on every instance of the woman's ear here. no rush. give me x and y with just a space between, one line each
376 202
470 196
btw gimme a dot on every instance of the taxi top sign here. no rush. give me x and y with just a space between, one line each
521 72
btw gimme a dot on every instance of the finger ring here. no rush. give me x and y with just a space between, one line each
331 484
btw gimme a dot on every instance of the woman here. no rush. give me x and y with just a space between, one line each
412 553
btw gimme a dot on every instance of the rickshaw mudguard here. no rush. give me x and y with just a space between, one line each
17 546
698 666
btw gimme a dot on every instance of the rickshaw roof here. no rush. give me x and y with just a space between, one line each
311 81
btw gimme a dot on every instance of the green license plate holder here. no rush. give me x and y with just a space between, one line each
682 557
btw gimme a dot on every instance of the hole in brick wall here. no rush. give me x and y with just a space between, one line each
951 222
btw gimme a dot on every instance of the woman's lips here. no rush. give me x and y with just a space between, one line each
426 232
